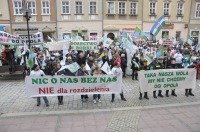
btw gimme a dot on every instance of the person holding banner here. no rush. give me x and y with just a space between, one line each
83 72
67 71
57 72
37 72
173 66
158 65
117 70
144 67
81 59
189 91
97 71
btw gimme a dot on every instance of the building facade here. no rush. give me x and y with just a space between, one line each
43 17
92 18
121 15
4 16
79 17
176 13
194 27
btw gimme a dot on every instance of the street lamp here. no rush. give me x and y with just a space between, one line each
27 14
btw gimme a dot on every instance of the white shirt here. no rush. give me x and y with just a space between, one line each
178 57
194 58
116 70
36 73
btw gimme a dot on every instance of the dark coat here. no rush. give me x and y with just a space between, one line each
81 61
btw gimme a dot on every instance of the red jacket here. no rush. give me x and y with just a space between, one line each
7 54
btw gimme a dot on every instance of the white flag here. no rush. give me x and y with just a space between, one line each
62 68
87 67
106 68
25 49
36 62
65 51
49 38
22 60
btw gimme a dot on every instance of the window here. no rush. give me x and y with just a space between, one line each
32 7
180 9
111 7
17 7
65 7
45 8
133 8
93 36
79 7
198 10
165 34
178 35
93 7
122 8
152 9
166 8
66 36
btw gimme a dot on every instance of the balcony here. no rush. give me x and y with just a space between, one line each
152 14
122 14
166 14
179 15
111 14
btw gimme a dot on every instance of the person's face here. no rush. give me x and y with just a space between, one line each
90 58
106 54
37 68
47 58
58 66
96 63
84 69
173 62
81 55
69 59
160 61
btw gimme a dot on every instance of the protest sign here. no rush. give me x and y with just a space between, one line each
167 41
6 38
93 38
68 85
84 45
55 46
167 79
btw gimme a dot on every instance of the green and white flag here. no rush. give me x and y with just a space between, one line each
158 26
106 68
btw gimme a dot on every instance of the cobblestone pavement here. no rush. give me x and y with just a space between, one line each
176 119
168 119
14 100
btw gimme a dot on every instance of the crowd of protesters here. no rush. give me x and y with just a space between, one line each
176 56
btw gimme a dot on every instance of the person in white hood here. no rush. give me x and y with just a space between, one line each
117 70
37 72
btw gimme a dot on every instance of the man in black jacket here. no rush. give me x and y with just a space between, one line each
81 59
